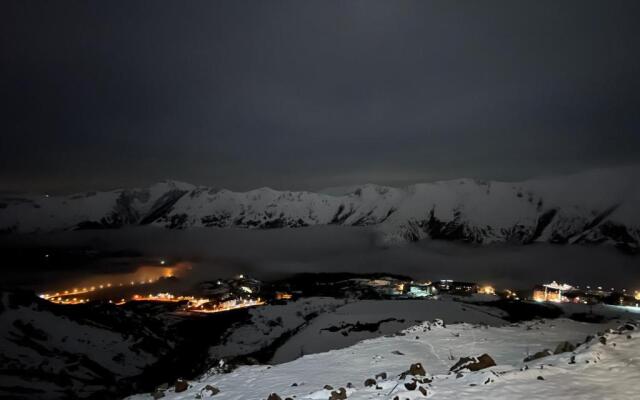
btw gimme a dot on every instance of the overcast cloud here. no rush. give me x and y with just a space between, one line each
305 95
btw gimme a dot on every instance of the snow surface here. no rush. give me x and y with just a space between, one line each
606 367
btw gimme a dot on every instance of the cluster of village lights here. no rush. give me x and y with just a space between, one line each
556 293
64 297
226 305
200 305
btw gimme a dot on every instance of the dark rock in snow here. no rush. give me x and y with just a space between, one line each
417 369
538 355
340 394
181 385
328 387
627 327
369 382
209 391
411 385
473 363
274 396
382 375
564 347
602 340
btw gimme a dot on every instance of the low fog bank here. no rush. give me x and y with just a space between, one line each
272 254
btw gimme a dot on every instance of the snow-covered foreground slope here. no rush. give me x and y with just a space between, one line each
315 325
605 365
593 207
364 319
97 350
48 352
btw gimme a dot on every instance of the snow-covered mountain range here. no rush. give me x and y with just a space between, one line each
595 207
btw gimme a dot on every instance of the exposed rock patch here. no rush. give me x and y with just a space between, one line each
473 363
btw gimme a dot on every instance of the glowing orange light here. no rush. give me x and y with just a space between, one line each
487 290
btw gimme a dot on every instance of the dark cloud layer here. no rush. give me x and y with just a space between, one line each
276 253
307 94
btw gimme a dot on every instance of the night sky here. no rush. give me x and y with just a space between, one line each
306 95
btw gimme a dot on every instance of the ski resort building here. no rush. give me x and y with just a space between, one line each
553 291
420 290
456 287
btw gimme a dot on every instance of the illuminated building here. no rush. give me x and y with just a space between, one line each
487 290
283 296
420 290
455 287
551 292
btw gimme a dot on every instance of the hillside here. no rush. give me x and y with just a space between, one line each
601 365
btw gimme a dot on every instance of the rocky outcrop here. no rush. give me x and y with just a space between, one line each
180 386
473 363
564 347
369 382
340 394
414 370
382 375
538 355
209 391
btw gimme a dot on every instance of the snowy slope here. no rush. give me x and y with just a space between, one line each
270 322
604 366
366 319
318 324
49 351
594 207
